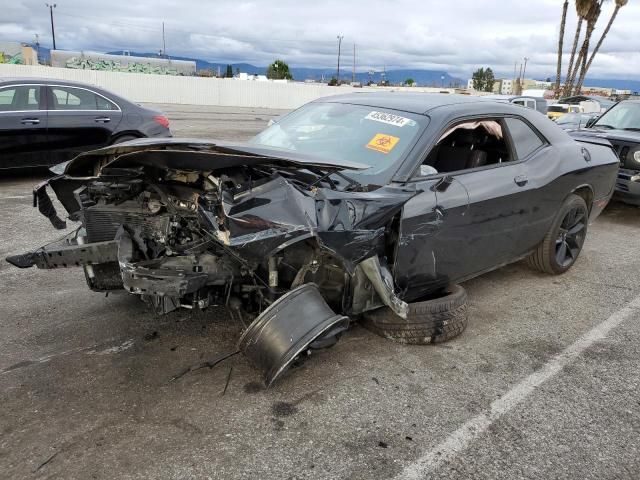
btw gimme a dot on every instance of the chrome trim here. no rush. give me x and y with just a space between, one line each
2 87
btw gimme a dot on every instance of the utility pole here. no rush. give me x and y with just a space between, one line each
164 45
525 67
519 92
38 48
340 37
353 74
53 32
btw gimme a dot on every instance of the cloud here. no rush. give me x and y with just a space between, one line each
455 36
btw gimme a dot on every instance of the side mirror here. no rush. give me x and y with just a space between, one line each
443 184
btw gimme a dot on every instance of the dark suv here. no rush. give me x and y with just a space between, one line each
44 121
621 126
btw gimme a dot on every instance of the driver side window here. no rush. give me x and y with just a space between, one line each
466 145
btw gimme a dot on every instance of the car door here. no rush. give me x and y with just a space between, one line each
476 219
23 127
79 120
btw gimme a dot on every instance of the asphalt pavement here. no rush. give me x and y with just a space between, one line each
544 383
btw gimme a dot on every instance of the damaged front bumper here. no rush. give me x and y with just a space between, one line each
201 226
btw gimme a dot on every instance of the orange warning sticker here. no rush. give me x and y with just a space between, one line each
383 143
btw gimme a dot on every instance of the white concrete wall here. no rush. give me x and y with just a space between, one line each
140 87
147 88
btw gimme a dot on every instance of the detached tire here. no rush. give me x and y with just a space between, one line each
431 321
563 242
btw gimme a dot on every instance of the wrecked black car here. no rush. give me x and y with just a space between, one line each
364 206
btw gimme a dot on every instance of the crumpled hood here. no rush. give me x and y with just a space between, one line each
194 154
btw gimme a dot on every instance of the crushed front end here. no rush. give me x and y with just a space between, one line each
195 224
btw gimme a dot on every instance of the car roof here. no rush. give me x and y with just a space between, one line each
419 103
5 81
57 81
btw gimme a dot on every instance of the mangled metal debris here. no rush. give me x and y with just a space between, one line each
262 232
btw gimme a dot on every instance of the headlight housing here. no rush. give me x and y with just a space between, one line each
630 158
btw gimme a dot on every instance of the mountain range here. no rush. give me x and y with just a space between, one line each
422 77
436 78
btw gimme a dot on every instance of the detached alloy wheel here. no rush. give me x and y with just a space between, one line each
562 245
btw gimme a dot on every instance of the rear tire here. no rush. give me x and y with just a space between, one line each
563 242
431 321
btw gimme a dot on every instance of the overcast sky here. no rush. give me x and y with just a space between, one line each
456 36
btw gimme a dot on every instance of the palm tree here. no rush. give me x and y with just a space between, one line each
560 42
582 10
592 18
583 74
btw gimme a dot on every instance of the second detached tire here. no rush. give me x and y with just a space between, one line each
431 321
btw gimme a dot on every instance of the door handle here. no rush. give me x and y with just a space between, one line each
102 120
521 180
30 121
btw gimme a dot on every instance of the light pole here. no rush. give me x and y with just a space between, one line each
340 37
524 71
53 32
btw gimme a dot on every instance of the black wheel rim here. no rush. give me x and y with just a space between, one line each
571 236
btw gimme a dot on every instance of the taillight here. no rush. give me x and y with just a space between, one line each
161 120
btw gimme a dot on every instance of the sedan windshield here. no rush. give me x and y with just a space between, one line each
372 136
623 116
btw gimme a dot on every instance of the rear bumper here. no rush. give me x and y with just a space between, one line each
628 190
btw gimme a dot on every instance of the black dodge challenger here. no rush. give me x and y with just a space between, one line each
369 206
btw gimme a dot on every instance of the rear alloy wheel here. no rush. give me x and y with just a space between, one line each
430 321
562 245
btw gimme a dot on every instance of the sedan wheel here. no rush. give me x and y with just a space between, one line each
561 246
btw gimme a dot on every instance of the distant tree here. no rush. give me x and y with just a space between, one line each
409 82
279 70
489 80
582 11
483 80
563 22
587 64
478 79
229 73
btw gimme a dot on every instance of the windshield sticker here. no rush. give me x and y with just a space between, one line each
389 119
383 143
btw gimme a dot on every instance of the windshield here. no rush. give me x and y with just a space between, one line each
569 118
623 116
372 136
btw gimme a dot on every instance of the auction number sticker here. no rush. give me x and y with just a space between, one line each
389 119
383 143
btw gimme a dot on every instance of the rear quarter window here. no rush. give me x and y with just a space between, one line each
69 98
525 139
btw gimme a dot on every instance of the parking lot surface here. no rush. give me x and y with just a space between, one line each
544 383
